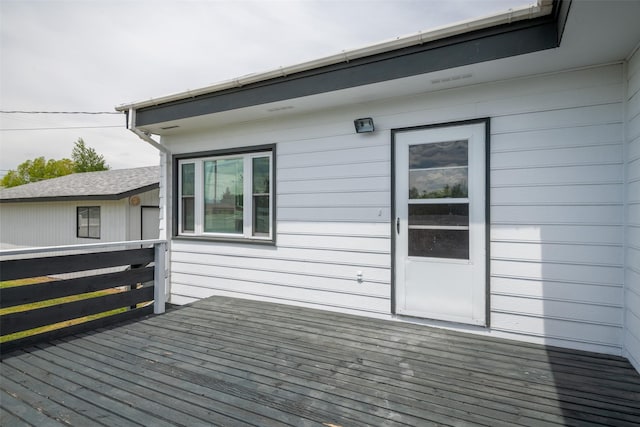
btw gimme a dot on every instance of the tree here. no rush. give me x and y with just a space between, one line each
85 159
35 170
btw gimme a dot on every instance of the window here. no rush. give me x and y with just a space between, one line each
227 196
88 222
439 200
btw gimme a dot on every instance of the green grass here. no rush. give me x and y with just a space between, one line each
48 303
22 282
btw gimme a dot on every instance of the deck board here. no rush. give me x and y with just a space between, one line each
225 361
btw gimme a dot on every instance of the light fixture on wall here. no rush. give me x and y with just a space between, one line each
364 125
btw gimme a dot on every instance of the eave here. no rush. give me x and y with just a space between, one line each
487 39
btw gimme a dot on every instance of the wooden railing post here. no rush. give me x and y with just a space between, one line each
160 278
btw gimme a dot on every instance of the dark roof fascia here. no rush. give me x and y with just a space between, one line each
488 44
82 198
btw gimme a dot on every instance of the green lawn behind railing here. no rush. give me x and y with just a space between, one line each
47 303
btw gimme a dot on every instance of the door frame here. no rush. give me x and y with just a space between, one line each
487 128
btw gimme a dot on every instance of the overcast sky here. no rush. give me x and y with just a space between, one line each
91 55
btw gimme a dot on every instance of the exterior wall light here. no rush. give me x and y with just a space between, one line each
364 125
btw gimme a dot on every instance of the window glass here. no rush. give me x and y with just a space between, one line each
223 196
438 170
260 175
94 222
438 183
437 229
187 188
439 243
261 190
188 214
88 222
456 215
227 197
439 155
188 179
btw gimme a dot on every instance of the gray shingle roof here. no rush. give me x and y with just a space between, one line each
105 185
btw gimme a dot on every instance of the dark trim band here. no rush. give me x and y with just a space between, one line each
479 46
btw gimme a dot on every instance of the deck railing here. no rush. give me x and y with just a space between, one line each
103 282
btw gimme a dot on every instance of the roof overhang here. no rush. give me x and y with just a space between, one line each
489 49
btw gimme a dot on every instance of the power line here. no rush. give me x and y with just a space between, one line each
64 128
59 112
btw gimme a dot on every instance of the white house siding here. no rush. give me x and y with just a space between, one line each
54 223
556 235
29 224
632 273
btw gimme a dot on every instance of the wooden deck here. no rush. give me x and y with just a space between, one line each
226 361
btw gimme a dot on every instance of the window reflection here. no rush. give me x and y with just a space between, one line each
439 170
223 191
438 155
438 183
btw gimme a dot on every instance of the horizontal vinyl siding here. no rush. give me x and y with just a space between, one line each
557 207
333 210
316 269
632 272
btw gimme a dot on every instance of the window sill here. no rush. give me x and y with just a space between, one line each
212 239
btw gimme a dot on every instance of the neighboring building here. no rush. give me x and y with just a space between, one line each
108 206
499 192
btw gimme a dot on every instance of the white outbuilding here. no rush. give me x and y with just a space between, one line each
108 206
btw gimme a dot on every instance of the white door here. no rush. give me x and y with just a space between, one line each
440 242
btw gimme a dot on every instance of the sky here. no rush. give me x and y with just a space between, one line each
92 55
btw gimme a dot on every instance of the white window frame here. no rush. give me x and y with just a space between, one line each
199 208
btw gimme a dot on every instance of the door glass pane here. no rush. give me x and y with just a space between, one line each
438 183
439 170
438 155
441 215
223 196
439 243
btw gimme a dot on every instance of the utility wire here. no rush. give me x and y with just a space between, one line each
65 128
59 112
